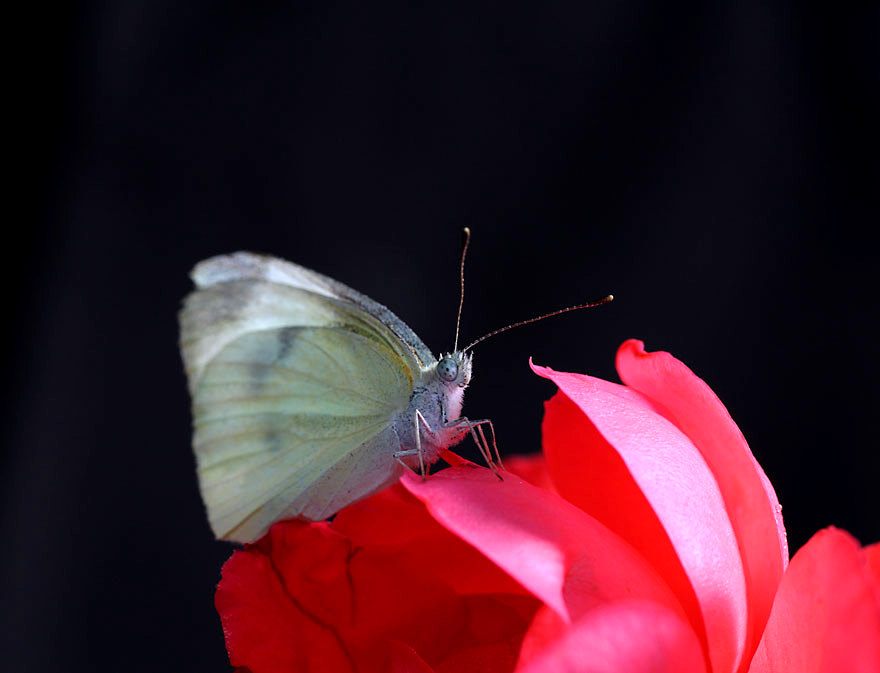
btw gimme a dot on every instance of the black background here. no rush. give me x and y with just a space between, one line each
716 169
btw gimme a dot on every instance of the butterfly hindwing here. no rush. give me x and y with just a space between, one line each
293 421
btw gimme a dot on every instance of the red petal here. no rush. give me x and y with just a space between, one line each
453 458
304 599
563 556
531 468
266 629
614 455
627 636
479 659
405 659
395 520
750 499
492 633
546 628
826 616
493 621
390 517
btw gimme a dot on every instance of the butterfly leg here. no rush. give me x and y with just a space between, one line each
466 425
417 418
400 454
486 421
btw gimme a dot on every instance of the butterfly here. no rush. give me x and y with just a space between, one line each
307 395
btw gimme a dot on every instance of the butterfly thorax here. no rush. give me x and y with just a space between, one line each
434 405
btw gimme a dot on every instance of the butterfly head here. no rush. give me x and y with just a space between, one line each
455 368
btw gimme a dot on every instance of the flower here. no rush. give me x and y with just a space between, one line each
383 584
646 538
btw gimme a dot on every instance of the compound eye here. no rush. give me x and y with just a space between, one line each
447 369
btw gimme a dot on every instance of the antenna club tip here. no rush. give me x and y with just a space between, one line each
467 230
610 297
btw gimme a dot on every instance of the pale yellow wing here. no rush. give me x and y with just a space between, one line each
313 435
294 421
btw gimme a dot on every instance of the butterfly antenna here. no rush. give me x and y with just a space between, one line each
464 247
598 302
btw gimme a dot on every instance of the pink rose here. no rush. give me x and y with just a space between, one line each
647 538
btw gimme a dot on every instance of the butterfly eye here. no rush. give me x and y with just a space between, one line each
447 369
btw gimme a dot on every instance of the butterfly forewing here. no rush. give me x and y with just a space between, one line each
217 315
245 292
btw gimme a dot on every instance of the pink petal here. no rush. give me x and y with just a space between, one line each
612 453
623 637
562 555
826 617
751 502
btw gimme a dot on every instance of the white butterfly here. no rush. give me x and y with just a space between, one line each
307 395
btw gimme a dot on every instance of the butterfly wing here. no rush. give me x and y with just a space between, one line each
244 291
293 390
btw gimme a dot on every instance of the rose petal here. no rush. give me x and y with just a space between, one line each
545 629
750 499
258 616
491 634
405 659
592 475
630 636
531 468
826 616
397 521
562 555
614 455
305 599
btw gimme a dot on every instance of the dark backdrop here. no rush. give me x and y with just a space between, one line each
716 169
